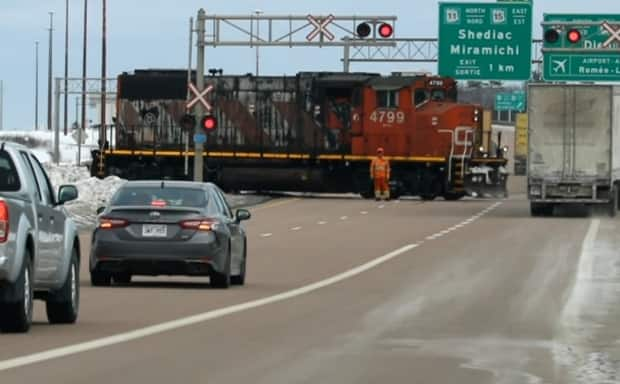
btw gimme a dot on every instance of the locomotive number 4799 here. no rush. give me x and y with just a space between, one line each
390 117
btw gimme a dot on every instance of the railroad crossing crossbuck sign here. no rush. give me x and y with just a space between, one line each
614 34
199 97
320 27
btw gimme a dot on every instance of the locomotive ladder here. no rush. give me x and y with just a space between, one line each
456 161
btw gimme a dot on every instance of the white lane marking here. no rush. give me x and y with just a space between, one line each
196 319
586 260
364 212
381 206
295 228
344 217
199 318
322 222
266 234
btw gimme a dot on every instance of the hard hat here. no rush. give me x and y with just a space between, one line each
380 150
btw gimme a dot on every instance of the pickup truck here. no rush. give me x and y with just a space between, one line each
39 244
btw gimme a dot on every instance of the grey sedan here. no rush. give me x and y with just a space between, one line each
169 228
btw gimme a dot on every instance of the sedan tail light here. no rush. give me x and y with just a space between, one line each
4 221
110 223
199 224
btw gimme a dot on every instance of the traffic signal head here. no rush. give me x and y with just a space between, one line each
551 36
573 36
188 122
386 30
381 29
208 123
363 30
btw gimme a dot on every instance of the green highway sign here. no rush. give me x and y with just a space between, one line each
574 47
514 101
582 67
485 41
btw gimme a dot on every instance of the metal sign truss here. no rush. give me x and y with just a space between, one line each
422 50
292 31
74 87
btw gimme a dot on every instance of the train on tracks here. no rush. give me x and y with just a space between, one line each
311 132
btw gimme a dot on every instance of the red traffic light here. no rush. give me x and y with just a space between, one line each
573 36
209 123
386 30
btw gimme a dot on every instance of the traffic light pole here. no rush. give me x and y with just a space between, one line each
200 79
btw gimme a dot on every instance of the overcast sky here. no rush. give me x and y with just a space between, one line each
154 34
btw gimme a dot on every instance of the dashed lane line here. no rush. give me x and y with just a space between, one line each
199 318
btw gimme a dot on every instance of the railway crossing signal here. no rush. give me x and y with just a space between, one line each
209 123
382 29
199 96
188 122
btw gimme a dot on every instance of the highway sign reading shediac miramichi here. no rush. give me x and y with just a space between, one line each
485 41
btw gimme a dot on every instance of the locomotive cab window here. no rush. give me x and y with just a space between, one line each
438 95
420 95
387 99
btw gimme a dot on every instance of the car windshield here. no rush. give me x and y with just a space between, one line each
155 195
9 181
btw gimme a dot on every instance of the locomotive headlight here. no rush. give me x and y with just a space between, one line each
476 115
505 149
481 148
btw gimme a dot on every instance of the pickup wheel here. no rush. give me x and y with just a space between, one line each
17 316
63 305
100 279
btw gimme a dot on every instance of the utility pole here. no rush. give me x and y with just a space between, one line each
36 85
83 125
49 75
102 133
200 79
66 63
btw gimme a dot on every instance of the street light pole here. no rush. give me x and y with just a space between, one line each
83 125
258 13
36 85
66 65
49 75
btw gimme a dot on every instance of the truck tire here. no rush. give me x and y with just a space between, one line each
63 305
17 316
613 203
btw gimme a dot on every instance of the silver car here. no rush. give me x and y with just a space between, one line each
169 228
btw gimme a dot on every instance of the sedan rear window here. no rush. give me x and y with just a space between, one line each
157 196
9 180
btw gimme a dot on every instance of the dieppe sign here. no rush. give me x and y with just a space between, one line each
566 61
510 101
485 41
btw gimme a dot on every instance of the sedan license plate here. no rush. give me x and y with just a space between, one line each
154 230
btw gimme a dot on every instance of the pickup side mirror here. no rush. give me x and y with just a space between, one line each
100 209
242 214
67 193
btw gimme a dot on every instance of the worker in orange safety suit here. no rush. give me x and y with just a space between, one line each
380 173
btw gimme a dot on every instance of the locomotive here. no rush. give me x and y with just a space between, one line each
311 132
